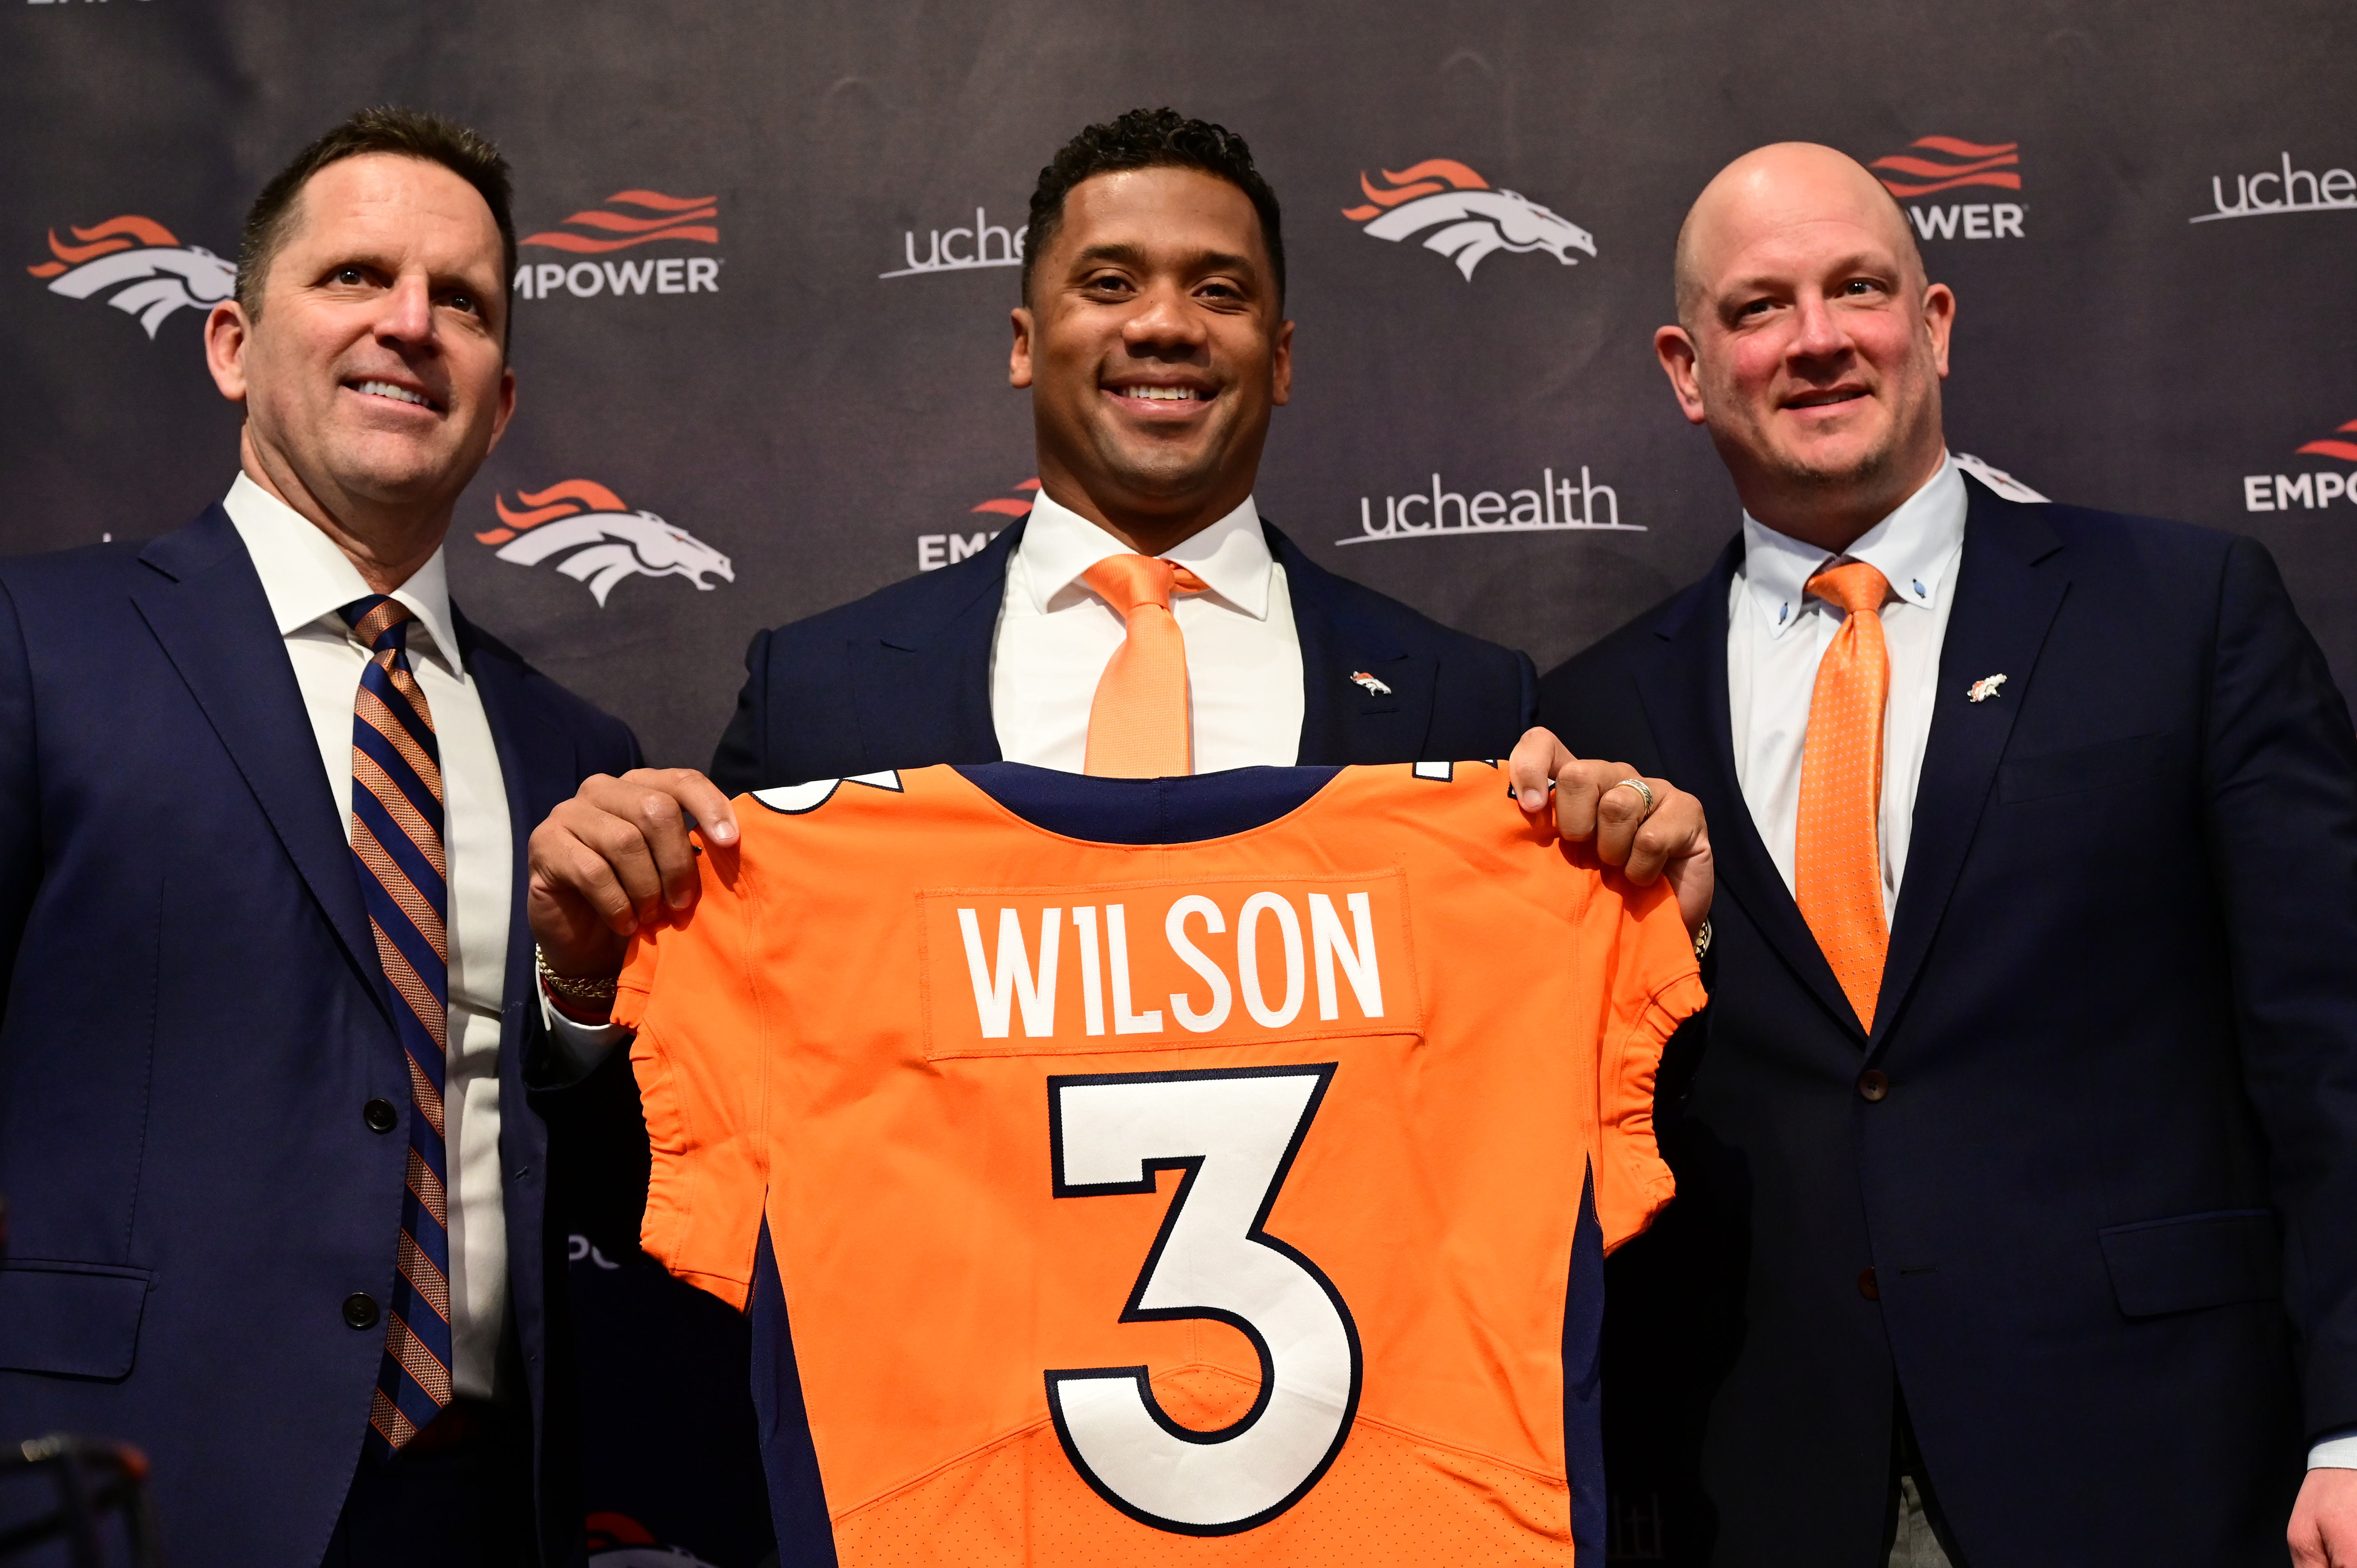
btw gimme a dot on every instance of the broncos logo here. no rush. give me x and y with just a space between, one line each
1480 220
163 275
610 541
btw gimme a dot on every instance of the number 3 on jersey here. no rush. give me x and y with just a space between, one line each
1234 1133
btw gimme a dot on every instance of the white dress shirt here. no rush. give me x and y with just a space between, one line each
1055 635
308 580
1777 631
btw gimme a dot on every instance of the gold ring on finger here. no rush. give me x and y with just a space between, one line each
1642 789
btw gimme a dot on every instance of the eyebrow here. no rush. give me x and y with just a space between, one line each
1201 261
1856 262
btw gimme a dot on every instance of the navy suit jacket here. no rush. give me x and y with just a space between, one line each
2109 1199
192 1016
901 678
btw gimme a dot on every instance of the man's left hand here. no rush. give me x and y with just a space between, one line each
2323 1532
1667 838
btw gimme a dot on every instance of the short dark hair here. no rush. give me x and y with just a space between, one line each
387 128
1152 138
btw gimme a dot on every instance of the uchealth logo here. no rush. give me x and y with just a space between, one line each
2273 192
602 540
162 274
935 550
1552 504
961 250
622 222
2312 488
1932 165
1469 220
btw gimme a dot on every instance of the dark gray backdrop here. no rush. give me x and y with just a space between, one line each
815 423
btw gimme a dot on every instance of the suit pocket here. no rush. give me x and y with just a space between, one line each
79 1320
2078 769
2194 1261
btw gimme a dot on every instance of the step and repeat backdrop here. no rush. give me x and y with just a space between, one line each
767 254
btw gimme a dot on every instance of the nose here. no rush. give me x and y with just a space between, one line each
1818 336
408 312
1163 323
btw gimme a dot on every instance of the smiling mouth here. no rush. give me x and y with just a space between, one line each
1826 399
396 393
1150 393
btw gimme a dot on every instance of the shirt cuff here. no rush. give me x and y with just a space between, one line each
579 1048
2338 1451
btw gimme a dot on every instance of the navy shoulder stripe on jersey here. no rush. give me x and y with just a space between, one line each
1147 810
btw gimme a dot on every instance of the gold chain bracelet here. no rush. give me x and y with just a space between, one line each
571 988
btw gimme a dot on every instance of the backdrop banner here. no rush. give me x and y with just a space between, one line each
767 254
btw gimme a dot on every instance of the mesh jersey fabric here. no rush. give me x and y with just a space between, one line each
1119 1203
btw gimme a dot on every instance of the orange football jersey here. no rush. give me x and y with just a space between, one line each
1235 1202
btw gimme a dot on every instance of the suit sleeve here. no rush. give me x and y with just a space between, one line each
2282 811
699 1056
20 822
737 762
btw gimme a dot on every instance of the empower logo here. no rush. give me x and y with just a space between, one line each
935 550
607 540
626 220
163 274
1471 218
1934 164
2313 489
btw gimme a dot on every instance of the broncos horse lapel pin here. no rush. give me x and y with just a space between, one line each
1982 690
1374 688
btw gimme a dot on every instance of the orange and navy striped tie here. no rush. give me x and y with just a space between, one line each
397 843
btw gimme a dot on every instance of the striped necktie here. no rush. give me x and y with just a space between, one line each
397 842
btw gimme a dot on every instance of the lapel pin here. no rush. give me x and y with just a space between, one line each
1983 689
1374 686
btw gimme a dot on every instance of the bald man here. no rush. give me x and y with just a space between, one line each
2016 1153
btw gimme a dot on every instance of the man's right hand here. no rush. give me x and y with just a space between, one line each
612 856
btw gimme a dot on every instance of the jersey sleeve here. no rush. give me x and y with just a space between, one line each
1651 985
689 988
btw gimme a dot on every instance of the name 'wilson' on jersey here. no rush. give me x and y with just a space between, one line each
1238 1200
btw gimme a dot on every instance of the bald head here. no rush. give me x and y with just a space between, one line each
1785 185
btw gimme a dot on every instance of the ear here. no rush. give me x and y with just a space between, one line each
1680 362
1281 366
1940 320
227 334
506 412
1018 359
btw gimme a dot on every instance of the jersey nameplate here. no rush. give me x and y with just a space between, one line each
1162 965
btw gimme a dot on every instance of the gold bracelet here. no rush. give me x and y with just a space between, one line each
572 988
1701 940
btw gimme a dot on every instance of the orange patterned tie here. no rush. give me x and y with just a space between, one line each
1839 852
1137 724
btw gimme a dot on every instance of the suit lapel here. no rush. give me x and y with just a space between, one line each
207 611
927 674
539 766
1684 691
1344 719
2009 588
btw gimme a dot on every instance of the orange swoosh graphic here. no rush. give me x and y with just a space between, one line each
1964 149
2333 449
2004 181
115 234
1006 507
660 202
1926 166
615 222
560 499
555 240
1450 169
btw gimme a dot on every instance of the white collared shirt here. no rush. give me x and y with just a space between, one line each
308 580
1055 635
1777 631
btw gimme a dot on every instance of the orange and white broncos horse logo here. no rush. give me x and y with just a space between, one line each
612 542
163 275
1478 220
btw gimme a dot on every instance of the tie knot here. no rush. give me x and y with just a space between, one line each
1126 582
1855 587
379 620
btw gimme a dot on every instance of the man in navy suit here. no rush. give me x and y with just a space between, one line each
2016 1153
269 1045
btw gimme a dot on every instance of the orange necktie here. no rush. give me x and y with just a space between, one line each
1838 851
1137 724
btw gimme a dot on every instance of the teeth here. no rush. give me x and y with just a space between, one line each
1163 395
400 394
